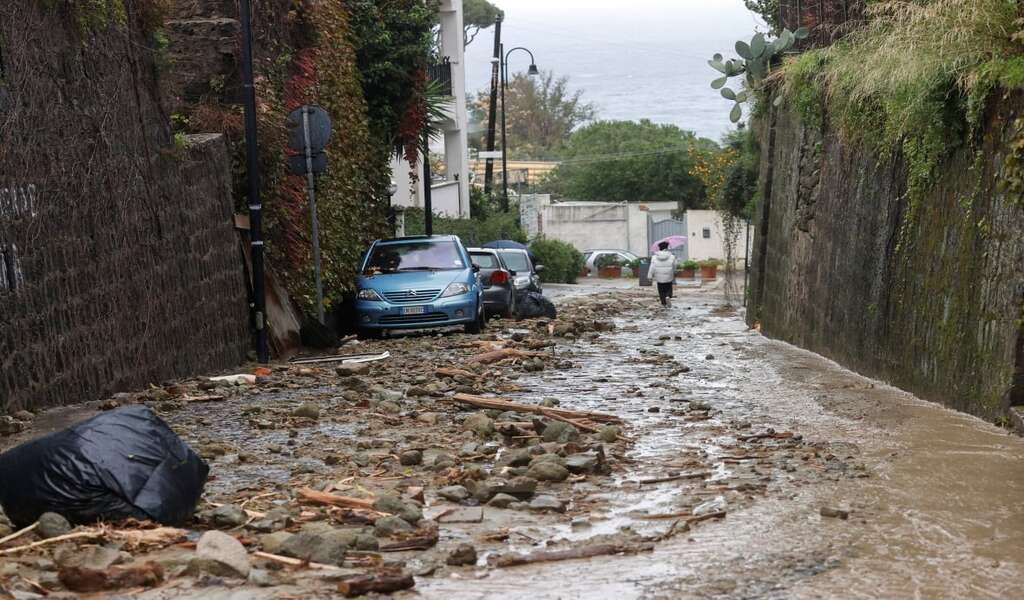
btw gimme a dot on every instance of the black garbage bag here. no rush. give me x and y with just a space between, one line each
120 464
532 305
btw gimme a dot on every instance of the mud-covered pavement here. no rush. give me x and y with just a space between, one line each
741 467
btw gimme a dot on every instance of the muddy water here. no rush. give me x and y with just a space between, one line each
936 499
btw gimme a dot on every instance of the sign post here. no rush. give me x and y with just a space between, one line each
309 132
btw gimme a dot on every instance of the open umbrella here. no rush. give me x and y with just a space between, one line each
674 241
505 245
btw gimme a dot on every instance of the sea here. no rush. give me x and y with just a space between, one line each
641 59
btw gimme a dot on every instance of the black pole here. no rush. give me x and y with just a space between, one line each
428 206
492 109
746 265
253 176
504 133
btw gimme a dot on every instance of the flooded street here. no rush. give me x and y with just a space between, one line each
935 498
739 467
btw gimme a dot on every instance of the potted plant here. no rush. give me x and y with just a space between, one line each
709 268
634 266
687 270
609 266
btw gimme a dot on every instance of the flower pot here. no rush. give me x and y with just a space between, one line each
584 272
686 274
610 272
709 272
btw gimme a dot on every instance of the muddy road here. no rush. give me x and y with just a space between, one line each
742 467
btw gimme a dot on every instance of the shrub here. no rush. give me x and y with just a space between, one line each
562 262
609 260
473 232
690 265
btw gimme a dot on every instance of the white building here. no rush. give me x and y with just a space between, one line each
630 226
450 195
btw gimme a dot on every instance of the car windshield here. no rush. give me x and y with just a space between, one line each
485 260
414 256
516 260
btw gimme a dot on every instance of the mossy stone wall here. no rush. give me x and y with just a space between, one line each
927 295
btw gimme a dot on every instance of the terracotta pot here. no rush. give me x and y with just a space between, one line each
584 272
609 272
709 272
686 273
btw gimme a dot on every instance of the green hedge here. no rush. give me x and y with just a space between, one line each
473 232
562 262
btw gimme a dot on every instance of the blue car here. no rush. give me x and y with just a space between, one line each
418 282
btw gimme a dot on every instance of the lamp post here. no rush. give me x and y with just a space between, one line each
532 72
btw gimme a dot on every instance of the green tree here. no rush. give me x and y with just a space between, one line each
478 15
769 11
542 113
630 161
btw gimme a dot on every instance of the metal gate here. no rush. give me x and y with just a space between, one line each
663 229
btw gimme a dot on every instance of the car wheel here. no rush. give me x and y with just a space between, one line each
478 326
510 310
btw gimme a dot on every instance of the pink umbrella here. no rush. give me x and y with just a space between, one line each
674 241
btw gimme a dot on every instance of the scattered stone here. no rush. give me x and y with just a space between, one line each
608 433
561 432
24 415
548 471
307 410
835 513
471 514
717 504
520 487
453 493
272 542
361 459
97 558
398 507
580 523
428 417
275 520
389 526
223 552
463 555
518 458
654 409
52 525
581 463
262 578
545 503
389 408
709 357
10 426
319 545
480 424
410 458
502 501
353 369
229 515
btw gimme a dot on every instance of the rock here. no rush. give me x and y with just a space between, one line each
835 513
502 501
389 408
417 391
580 523
398 507
97 558
361 459
480 424
52 525
717 504
520 487
227 552
367 543
709 357
321 545
581 463
548 471
229 515
272 542
558 431
463 555
352 369
275 520
307 410
410 458
442 461
548 457
10 426
428 417
654 409
262 578
533 366
518 458
608 433
453 493
544 502
388 526
468 514
549 402
23 415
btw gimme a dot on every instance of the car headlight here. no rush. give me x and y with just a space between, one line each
455 289
369 294
523 281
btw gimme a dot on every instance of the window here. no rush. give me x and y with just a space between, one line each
414 256
707 233
485 261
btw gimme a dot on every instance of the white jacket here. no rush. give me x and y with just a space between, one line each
663 267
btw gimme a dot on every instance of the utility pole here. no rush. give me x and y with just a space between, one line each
428 205
493 108
504 138
253 177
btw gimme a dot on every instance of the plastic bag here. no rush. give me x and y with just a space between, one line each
120 464
531 305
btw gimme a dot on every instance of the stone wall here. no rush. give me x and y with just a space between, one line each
120 264
927 295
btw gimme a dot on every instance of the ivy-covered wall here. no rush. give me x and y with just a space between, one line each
924 289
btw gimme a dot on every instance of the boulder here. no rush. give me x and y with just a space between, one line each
548 471
463 555
400 508
228 555
558 431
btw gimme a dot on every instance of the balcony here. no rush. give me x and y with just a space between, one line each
441 73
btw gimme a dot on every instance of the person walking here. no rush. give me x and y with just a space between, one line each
663 272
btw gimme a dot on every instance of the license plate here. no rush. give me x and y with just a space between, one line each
413 310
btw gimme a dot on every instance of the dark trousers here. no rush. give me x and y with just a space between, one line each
665 291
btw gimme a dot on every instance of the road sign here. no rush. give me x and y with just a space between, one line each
297 163
492 154
319 129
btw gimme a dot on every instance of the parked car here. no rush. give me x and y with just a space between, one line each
591 257
498 282
418 282
527 277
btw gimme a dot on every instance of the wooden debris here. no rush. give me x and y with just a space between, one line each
494 356
77 535
332 500
513 560
295 562
500 404
382 584
18 534
420 540
575 423
456 373
785 435
83 580
697 475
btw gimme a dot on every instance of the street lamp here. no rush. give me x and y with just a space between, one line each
533 71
